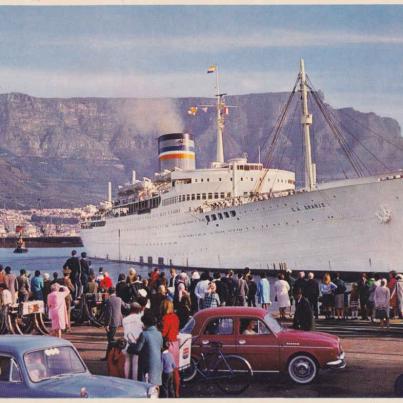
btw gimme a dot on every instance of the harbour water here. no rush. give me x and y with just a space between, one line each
50 260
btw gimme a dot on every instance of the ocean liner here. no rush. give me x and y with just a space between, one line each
237 213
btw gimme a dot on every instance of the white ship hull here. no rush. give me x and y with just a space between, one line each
348 226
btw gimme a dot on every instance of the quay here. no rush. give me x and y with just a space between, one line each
374 360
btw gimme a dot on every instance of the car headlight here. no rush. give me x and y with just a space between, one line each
153 392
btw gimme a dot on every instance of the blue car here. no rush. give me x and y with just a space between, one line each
44 366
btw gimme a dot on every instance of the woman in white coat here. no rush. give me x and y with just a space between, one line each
281 288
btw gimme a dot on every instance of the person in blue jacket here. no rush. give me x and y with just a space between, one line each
37 286
148 347
263 291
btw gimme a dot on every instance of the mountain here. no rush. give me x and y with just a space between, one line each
62 152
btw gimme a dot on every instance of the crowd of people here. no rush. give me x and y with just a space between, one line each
152 310
372 297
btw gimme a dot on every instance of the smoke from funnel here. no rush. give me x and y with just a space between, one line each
153 116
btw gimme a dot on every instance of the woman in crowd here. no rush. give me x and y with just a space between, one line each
148 347
156 301
170 331
281 289
382 301
92 284
339 296
263 291
211 298
106 282
11 283
46 286
132 328
69 297
327 288
57 308
354 301
182 301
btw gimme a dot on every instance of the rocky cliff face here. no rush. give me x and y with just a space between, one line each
64 151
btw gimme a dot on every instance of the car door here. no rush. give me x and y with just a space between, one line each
11 381
257 344
218 329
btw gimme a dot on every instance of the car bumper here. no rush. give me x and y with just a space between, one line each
339 363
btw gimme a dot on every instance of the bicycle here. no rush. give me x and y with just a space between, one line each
231 373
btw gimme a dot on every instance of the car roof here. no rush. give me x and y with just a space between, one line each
19 344
230 311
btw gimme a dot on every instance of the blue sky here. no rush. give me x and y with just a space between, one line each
353 53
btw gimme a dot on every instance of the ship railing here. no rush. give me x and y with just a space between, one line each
240 200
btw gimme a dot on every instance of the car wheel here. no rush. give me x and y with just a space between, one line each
399 386
302 369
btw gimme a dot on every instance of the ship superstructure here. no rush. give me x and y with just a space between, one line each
237 213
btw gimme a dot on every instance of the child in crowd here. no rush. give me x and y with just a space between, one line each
168 366
116 359
354 301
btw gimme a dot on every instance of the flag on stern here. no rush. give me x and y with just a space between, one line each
211 69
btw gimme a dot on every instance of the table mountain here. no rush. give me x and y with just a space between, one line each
62 152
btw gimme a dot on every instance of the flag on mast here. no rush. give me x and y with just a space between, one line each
212 69
192 110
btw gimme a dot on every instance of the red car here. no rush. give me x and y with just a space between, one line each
255 335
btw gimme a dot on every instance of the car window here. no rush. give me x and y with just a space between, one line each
15 372
9 371
5 366
220 326
274 326
52 362
253 326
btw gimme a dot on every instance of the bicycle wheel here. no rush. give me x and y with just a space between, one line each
189 373
232 374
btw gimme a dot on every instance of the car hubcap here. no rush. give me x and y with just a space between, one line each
302 369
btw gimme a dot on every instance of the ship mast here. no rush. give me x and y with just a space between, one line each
220 120
306 121
221 110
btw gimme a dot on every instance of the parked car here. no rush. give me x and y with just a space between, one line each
44 366
255 335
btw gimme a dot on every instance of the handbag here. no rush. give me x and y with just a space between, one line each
131 348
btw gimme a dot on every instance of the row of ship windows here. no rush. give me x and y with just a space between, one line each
220 216
195 196
290 181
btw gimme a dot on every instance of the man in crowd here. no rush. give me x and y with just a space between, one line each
114 316
303 318
311 293
73 263
85 270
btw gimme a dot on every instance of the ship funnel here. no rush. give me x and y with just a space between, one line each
110 192
176 150
133 177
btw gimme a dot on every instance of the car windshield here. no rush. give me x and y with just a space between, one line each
53 362
274 326
189 326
